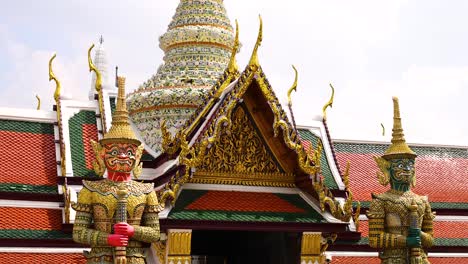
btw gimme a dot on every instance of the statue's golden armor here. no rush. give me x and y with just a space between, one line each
389 224
96 212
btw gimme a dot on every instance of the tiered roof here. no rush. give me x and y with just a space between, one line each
197 47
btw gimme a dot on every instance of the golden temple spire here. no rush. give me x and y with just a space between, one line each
329 103
254 58
398 148
120 128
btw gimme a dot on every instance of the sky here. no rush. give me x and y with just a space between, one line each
370 50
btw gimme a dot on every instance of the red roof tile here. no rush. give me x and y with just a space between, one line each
89 132
356 260
447 229
449 174
243 202
27 158
30 218
65 258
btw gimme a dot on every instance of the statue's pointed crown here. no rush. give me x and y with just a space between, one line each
398 148
120 130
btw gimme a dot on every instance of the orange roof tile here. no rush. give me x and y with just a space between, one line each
454 229
449 174
66 258
30 218
243 202
355 260
27 158
89 132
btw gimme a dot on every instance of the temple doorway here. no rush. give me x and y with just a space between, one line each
245 247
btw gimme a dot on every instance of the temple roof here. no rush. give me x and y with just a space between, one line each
444 167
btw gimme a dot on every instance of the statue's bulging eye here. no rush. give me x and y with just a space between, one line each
114 152
129 153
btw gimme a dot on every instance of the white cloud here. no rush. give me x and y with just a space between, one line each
370 50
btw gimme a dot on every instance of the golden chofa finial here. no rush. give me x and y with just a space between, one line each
52 77
293 88
383 129
93 68
254 58
398 148
38 102
232 66
329 103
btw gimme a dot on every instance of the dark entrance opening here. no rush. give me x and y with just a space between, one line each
244 247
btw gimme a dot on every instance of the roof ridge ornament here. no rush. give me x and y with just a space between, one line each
38 102
329 103
293 88
57 91
53 77
232 66
254 58
232 69
98 86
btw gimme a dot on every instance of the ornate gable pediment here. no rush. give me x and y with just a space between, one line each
241 156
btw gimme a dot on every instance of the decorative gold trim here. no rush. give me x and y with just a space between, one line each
179 243
383 175
67 202
98 86
293 88
329 103
98 164
169 144
160 248
38 102
59 115
203 24
158 107
195 43
356 216
248 179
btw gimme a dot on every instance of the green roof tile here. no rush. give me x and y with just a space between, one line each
27 188
434 205
33 234
379 149
26 127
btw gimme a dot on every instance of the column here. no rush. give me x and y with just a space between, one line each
179 246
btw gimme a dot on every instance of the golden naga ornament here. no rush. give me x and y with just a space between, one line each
400 221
